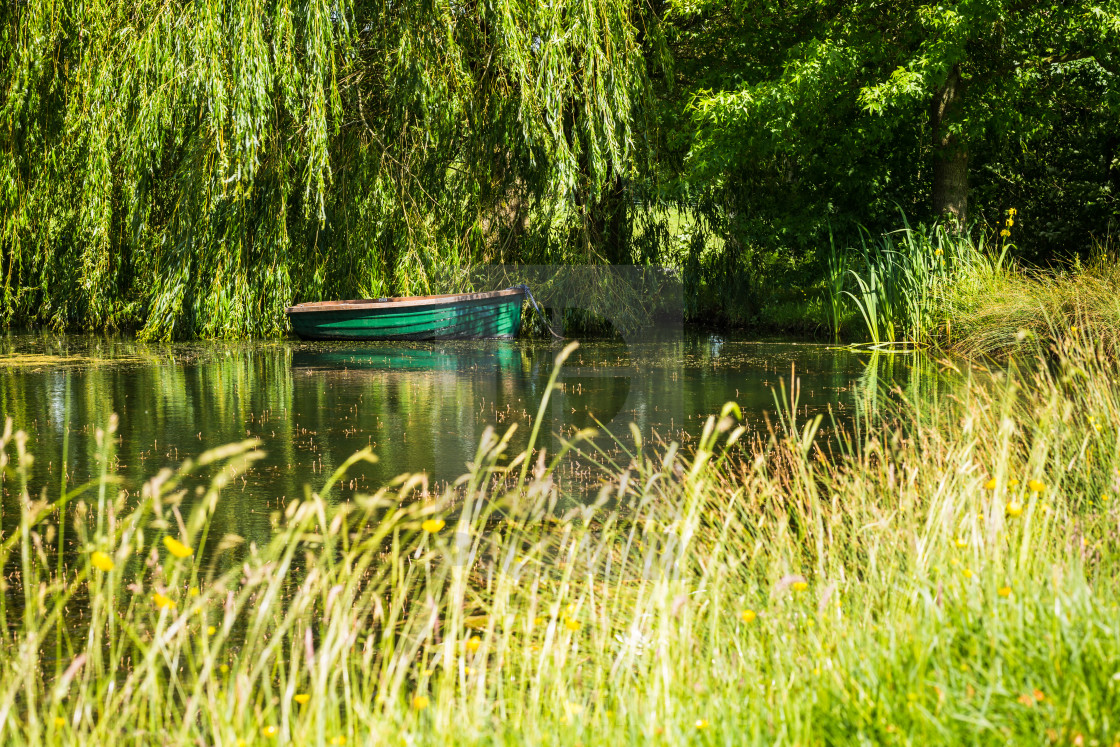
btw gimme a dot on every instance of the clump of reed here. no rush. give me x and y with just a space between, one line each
898 281
948 574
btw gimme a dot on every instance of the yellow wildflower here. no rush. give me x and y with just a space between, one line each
211 630
431 526
962 542
1005 233
748 616
59 721
163 602
1012 212
473 643
800 585
420 702
967 573
101 561
702 723
1004 591
990 484
938 252
270 731
1012 483
177 548
571 624
1014 508
1039 695
301 698
1010 222
224 669
1036 486
338 740
193 591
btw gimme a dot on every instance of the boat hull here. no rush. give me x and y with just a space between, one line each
466 316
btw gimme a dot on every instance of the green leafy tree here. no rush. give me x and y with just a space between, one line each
193 166
828 91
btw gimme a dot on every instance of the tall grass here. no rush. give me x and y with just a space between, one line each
1002 314
947 576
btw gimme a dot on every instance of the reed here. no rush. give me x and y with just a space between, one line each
906 275
946 575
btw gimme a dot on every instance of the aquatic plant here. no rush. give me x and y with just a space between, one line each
906 274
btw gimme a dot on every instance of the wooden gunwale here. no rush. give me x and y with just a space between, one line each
373 303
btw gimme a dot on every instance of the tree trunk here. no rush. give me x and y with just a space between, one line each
950 155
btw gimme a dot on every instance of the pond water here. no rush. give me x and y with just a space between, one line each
422 406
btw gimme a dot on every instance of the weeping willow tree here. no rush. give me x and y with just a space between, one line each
190 167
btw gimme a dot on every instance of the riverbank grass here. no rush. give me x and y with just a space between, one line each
947 575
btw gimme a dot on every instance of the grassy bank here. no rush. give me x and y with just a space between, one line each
999 314
948 575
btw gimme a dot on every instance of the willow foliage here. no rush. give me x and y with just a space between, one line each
193 167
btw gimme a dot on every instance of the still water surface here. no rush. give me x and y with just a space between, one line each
422 406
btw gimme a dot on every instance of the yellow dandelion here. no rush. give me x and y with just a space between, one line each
241 743
990 484
1014 508
800 585
1004 591
431 526
301 698
702 723
961 542
224 669
270 731
177 548
1036 486
338 740
193 591
473 643
748 616
211 630
571 624
420 702
967 573
101 561
59 721
163 602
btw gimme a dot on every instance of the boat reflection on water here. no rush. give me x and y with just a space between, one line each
474 358
424 407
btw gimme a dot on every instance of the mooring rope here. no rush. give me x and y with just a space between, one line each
533 301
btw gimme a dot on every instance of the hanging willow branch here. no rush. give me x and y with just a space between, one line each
190 168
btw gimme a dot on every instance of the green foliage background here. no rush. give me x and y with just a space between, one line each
190 167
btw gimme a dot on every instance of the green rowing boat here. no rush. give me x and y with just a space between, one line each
459 316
